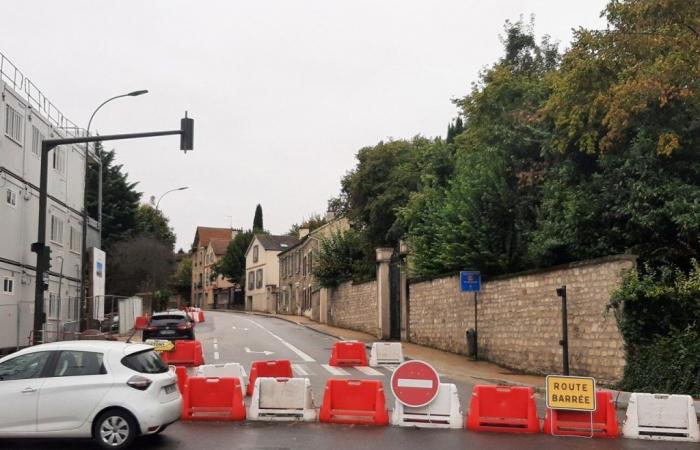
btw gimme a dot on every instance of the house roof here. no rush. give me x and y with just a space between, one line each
219 246
205 234
275 243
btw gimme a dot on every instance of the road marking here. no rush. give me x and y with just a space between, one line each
216 346
335 370
369 371
389 368
265 352
216 355
414 383
301 354
299 370
216 341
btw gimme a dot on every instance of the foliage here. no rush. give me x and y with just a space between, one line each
182 278
344 257
141 263
153 222
258 219
232 264
313 222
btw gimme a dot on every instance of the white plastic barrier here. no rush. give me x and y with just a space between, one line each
385 353
282 399
661 416
443 412
226 370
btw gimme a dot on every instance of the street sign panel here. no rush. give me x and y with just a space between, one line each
470 281
572 393
415 383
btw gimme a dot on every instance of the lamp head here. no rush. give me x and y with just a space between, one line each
137 93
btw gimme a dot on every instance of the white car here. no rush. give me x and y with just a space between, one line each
110 391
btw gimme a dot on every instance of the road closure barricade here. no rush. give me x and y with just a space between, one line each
282 399
181 373
599 423
280 368
505 409
141 322
212 398
385 353
662 417
354 402
443 412
348 353
226 370
185 353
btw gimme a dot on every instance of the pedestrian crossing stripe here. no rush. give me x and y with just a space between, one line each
335 370
369 371
300 370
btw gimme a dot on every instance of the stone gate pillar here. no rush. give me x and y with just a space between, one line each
383 292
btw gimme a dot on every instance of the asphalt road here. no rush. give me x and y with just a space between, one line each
230 337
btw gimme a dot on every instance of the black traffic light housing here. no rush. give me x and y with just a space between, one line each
187 135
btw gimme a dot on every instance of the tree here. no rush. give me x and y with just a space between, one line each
344 257
232 265
153 222
313 222
139 264
182 278
258 219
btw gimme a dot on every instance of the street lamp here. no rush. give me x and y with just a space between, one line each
99 194
167 192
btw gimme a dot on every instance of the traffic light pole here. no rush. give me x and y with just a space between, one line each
43 252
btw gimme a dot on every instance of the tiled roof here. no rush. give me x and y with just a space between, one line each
276 243
206 234
219 245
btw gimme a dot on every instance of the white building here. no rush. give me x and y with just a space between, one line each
27 117
263 271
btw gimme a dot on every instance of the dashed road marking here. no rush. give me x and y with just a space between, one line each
300 370
301 354
335 370
216 355
216 346
369 371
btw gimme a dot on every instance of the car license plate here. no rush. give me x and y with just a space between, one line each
169 389
168 332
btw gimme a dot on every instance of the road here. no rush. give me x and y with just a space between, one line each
235 337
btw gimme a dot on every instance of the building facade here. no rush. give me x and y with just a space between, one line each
262 271
204 291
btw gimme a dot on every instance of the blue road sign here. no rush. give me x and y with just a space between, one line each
470 281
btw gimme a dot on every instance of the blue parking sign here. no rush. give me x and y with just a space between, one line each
470 281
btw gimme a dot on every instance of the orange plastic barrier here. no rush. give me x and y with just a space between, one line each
181 372
208 398
185 353
140 322
281 368
354 402
578 423
348 353
506 409
201 316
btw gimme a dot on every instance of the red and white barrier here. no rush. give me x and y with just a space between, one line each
443 412
282 399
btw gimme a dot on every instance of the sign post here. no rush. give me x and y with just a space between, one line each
415 383
571 394
470 281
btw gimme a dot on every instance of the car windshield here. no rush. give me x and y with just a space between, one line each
146 361
172 319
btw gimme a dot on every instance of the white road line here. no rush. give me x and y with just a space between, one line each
389 368
301 354
216 355
369 371
216 341
299 370
216 346
335 370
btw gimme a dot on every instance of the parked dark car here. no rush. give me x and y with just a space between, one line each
170 325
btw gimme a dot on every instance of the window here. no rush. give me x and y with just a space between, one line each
255 253
56 230
311 263
76 364
59 160
13 124
24 367
251 280
37 137
73 308
8 286
146 361
74 240
304 267
282 272
289 265
52 308
258 279
11 197
298 258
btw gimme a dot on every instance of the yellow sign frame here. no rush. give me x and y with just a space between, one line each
570 388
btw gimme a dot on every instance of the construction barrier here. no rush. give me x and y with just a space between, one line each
141 322
442 412
281 368
348 353
661 416
181 372
385 353
227 370
185 353
506 409
213 399
354 402
282 399
599 423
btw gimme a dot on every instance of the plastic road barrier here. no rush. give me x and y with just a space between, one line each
140 322
181 372
354 402
281 368
442 412
282 399
200 316
599 423
185 353
506 409
661 416
385 353
348 353
227 370
213 399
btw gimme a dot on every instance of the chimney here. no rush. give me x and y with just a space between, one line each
330 215
303 232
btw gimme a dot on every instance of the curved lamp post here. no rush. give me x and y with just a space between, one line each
167 192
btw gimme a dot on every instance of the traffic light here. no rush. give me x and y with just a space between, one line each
187 135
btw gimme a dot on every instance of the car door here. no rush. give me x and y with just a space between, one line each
67 399
21 378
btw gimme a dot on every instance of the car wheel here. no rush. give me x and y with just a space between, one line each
115 429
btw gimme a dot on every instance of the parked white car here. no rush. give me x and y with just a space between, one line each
110 391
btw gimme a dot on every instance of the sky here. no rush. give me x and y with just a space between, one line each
283 92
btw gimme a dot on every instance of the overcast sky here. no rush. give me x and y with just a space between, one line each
283 93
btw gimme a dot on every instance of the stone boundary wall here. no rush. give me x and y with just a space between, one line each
354 306
519 318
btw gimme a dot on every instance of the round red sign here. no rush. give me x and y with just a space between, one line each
415 383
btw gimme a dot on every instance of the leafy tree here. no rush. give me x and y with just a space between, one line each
258 219
182 278
344 257
313 222
139 264
232 265
153 222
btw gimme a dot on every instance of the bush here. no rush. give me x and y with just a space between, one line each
344 257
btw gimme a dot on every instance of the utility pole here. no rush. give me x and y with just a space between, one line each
564 342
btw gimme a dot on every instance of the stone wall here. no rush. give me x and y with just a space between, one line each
354 306
519 318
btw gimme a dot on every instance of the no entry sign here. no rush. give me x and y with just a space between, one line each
415 383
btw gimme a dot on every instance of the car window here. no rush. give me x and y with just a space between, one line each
147 361
173 319
74 364
24 367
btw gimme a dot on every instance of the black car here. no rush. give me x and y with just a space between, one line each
171 325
